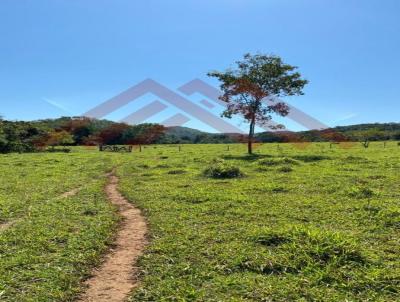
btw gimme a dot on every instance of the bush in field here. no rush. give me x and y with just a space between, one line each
361 193
221 169
285 169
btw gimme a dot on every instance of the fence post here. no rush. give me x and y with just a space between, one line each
366 143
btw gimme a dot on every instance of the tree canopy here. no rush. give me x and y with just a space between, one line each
255 79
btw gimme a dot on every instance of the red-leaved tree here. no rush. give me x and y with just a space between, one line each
256 78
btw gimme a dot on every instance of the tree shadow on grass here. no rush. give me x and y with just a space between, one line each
246 157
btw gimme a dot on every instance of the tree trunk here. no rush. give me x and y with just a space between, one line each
250 146
251 136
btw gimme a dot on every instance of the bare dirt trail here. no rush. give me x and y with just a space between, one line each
117 276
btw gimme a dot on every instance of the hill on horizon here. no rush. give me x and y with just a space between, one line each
357 132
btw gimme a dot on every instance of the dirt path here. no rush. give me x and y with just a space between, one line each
117 277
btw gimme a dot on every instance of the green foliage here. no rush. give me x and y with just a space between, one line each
59 138
18 136
361 132
35 136
222 169
362 192
255 78
285 169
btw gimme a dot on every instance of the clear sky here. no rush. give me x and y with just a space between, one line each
64 57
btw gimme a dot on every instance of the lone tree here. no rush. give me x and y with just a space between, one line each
257 78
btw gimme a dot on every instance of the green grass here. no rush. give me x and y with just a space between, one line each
313 224
286 224
52 242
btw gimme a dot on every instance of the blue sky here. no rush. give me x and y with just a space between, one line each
64 57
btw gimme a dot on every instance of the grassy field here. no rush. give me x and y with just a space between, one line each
291 223
49 242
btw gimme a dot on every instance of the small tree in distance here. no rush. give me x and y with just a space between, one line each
256 78
59 138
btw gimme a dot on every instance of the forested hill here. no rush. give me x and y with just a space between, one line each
28 136
361 132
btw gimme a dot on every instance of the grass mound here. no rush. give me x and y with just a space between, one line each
285 169
221 169
361 192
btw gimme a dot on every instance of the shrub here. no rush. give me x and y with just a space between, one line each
285 169
220 169
362 192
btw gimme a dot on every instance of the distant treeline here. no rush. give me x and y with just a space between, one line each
362 132
40 135
18 136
